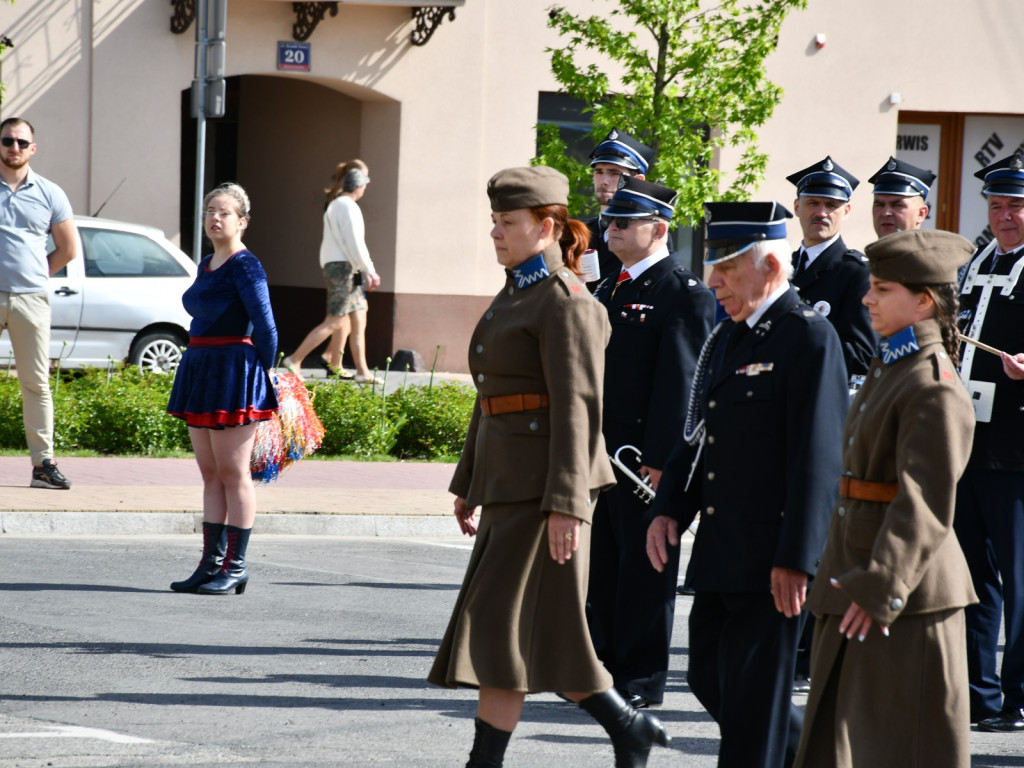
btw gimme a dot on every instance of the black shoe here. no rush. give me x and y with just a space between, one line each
636 701
801 684
685 590
1007 721
48 476
633 733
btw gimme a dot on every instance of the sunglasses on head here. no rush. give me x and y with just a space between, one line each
623 222
8 141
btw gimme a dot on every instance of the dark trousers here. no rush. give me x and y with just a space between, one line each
742 658
989 524
630 606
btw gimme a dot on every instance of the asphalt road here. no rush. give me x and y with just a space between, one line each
320 663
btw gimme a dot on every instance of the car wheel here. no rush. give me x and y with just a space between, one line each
157 352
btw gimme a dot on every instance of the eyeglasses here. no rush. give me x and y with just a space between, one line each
8 141
623 222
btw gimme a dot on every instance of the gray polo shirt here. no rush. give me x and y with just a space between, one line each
26 217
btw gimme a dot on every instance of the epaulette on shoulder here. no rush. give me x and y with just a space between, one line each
569 281
855 256
806 313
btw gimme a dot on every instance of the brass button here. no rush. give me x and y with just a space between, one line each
841 511
488 314
480 377
877 372
711 439
712 403
896 604
534 425
479 348
511 290
711 475
709 511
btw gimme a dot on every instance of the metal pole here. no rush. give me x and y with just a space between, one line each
200 96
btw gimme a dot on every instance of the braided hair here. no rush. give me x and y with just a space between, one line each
947 304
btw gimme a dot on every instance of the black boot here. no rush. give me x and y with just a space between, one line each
633 733
233 573
488 746
214 545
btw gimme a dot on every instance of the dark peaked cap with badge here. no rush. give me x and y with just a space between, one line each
919 257
733 228
897 177
1005 177
824 179
636 198
620 148
515 188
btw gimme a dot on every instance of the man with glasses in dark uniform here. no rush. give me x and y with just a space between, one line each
31 209
660 314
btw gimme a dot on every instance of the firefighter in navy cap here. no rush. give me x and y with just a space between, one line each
758 459
900 191
619 155
831 277
990 498
660 314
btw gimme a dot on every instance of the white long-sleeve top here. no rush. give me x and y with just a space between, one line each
344 235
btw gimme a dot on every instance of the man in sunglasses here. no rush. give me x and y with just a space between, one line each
31 209
617 157
660 314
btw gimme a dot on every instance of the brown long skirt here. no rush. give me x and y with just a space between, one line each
889 702
519 623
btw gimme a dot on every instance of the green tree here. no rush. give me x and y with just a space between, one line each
693 81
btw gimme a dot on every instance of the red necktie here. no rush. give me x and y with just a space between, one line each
622 280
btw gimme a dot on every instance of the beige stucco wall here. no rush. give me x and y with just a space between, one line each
102 81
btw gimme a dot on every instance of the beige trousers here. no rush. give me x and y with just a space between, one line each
26 316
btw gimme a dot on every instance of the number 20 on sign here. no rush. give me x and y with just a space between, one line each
294 57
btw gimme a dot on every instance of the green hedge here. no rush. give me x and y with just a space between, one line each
121 411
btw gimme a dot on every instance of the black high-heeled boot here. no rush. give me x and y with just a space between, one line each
489 745
233 573
633 733
214 546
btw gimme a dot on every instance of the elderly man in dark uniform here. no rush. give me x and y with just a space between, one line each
660 314
900 192
759 459
831 277
990 497
618 156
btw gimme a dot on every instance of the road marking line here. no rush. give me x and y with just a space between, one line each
78 732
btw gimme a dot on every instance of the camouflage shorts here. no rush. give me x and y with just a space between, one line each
343 295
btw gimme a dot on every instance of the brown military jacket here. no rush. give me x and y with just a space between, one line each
548 338
912 423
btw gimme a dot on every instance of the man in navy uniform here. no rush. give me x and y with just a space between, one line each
760 460
618 156
660 314
989 518
831 277
900 192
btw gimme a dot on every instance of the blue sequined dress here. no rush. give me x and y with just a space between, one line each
222 378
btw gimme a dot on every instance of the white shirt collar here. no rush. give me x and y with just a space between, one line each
644 264
774 296
816 250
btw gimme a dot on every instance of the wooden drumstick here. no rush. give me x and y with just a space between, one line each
980 345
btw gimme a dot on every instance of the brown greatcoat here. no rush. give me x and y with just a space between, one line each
899 701
519 622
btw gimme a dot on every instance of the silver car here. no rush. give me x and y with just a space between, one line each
119 300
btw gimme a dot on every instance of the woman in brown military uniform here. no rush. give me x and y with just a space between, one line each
888 665
534 459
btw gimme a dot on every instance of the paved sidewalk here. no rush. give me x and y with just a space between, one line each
161 496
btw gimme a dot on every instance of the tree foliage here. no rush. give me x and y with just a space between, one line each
693 81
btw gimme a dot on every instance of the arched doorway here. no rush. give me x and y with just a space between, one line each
281 138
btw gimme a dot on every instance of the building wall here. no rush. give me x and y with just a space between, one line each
102 80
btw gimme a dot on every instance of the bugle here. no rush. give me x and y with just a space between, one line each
643 487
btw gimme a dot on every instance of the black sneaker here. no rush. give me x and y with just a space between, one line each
48 476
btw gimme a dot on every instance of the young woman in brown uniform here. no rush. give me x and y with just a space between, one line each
534 459
888 665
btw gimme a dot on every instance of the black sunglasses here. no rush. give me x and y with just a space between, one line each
8 141
623 222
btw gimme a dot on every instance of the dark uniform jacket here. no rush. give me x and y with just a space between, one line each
911 424
659 323
998 444
549 339
767 478
834 284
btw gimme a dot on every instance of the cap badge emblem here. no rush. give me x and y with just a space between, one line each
891 166
707 215
613 135
622 181
827 165
1016 163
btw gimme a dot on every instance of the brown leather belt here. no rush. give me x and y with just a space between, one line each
495 406
862 490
